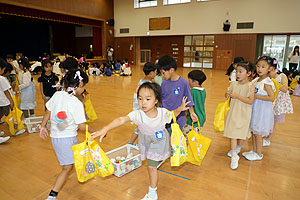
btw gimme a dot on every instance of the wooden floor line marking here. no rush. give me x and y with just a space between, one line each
249 180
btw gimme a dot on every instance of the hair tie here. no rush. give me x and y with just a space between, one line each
77 74
71 90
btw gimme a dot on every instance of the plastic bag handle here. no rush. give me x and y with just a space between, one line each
198 126
87 137
173 117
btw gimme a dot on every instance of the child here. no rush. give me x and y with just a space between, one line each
47 80
107 71
231 71
149 70
125 68
6 101
118 66
154 139
174 88
283 103
262 118
56 69
12 77
27 89
66 114
237 126
297 88
196 78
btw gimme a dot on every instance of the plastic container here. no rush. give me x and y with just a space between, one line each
128 164
34 124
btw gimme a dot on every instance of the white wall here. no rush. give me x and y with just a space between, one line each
269 16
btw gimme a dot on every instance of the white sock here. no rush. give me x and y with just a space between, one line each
238 148
152 192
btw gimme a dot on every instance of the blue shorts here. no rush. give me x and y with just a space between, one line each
63 149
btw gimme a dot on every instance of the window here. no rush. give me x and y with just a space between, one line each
168 2
198 51
144 3
205 0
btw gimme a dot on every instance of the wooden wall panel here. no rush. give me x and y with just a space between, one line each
240 44
162 45
94 9
123 49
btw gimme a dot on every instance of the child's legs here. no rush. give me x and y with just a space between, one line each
62 177
240 142
153 176
259 142
254 141
233 143
25 113
31 112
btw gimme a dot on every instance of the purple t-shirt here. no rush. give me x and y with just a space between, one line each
172 94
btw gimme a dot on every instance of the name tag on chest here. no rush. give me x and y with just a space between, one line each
159 134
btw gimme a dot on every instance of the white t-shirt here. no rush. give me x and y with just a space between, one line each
63 101
260 86
4 85
294 58
233 76
163 115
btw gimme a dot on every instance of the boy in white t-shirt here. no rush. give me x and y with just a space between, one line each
6 101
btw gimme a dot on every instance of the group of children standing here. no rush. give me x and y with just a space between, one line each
254 108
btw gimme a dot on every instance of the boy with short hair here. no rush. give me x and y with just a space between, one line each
149 70
196 78
174 88
6 101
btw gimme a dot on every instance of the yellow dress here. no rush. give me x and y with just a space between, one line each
238 119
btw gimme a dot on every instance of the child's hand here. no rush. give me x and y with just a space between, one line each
234 95
194 117
183 105
100 133
44 133
227 94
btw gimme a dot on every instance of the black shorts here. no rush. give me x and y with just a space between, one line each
4 110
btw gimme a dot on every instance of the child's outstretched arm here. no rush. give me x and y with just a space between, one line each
193 115
182 107
43 132
284 88
114 124
7 94
247 100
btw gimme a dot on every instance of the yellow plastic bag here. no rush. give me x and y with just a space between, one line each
89 110
90 160
198 146
277 87
13 119
220 115
293 84
18 94
178 144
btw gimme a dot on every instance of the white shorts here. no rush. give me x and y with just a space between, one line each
63 149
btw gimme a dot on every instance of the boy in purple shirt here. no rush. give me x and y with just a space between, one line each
174 88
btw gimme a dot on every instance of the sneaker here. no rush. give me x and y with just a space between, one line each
245 153
1 133
51 198
20 132
147 197
4 139
266 142
254 156
229 154
234 162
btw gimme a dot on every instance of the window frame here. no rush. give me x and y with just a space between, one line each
137 3
166 2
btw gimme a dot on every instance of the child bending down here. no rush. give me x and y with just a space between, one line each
66 113
154 139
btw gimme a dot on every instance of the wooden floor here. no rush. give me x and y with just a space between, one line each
28 165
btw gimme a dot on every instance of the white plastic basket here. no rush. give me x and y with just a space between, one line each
128 164
34 124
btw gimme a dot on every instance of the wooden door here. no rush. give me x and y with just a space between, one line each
223 59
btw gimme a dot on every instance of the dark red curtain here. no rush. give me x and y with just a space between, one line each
97 41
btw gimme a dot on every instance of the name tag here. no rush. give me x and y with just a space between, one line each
159 134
